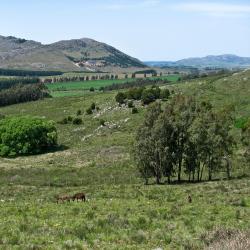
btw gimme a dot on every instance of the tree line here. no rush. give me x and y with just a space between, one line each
186 137
6 83
26 73
23 93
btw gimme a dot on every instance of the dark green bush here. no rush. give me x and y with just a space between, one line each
130 104
63 121
134 110
70 118
92 89
89 111
26 135
77 121
92 106
79 112
102 122
120 97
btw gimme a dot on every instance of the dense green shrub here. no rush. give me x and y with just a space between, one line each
77 121
70 118
134 110
93 106
26 135
102 122
120 97
130 104
63 121
78 112
92 89
89 111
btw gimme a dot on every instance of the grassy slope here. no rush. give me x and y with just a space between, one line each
122 213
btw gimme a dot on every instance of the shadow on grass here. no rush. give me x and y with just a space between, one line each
54 149
185 182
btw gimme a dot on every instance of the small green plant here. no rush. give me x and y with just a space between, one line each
92 89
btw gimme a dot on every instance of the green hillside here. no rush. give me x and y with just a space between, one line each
121 212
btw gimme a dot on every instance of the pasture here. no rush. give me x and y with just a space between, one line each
78 88
121 212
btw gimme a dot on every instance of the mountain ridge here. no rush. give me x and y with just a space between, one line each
84 54
224 61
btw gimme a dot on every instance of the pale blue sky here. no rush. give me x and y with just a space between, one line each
146 29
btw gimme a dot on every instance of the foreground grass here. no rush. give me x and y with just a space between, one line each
121 213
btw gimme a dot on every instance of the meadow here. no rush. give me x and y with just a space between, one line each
78 88
121 212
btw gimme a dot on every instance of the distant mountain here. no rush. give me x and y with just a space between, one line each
221 61
70 55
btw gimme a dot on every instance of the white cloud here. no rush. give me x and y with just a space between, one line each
216 9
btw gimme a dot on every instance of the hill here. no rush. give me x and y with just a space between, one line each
220 61
121 212
71 55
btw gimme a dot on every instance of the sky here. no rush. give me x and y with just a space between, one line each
145 29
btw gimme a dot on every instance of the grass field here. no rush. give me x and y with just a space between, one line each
121 212
78 88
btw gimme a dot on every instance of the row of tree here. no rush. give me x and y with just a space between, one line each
6 83
186 137
28 73
23 93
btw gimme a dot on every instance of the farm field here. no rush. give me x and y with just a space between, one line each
121 212
77 88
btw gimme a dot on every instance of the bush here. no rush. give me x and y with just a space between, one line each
92 89
102 122
134 110
79 112
130 104
120 97
70 118
63 121
26 135
92 106
165 93
89 111
77 121
148 96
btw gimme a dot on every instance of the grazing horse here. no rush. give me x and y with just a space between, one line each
79 196
63 198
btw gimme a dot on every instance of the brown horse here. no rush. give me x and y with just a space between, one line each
79 196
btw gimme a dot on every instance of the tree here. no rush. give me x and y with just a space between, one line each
186 134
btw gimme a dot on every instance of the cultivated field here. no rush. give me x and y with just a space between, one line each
121 212
77 88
